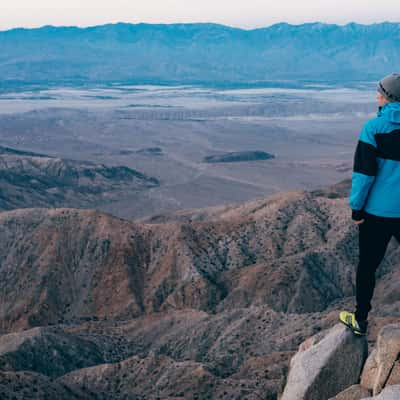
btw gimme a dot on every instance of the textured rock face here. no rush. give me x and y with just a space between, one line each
383 366
389 393
328 366
354 392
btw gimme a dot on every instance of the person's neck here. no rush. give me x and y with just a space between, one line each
383 104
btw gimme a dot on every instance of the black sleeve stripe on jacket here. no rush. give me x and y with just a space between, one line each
388 145
365 159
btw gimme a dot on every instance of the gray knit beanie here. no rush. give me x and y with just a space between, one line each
389 87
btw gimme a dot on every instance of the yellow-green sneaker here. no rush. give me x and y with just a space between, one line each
349 319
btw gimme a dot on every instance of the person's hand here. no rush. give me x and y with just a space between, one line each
357 216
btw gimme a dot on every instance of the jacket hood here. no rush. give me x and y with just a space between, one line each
391 112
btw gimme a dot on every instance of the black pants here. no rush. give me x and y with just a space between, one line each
374 236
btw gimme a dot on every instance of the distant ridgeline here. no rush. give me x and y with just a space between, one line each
238 156
30 179
199 53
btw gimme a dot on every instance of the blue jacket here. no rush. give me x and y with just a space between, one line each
375 185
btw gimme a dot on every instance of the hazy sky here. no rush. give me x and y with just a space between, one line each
242 13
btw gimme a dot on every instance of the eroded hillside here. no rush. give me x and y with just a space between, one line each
201 304
35 180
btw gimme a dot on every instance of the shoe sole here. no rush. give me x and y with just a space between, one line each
355 331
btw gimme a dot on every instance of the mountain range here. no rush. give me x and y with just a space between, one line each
199 52
203 304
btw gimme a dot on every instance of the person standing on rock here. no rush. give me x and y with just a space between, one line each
375 196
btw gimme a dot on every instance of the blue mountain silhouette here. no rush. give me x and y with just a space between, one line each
200 52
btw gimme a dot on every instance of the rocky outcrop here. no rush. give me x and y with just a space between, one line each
382 367
354 392
325 365
321 364
389 393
